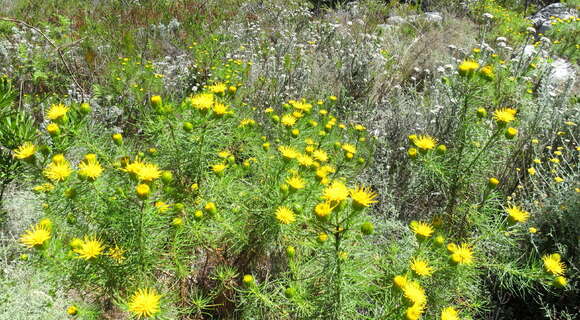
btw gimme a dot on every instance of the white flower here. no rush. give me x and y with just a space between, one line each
488 16
501 39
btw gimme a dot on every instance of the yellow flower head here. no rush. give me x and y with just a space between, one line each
90 248
148 172
144 303
142 190
36 236
90 169
58 170
295 182
25 151
504 115
301 105
202 101
285 215
337 192
462 254
288 152
487 72
553 264
305 160
288 120
363 197
421 267
323 209
116 253
57 112
400 281
219 87
467 67
421 229
348 148
413 292
320 155
220 109
425 142
415 311
515 214
449 313
219 168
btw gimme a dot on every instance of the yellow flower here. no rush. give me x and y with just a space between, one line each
288 120
25 151
413 292
421 229
156 100
148 172
57 112
515 214
560 282
532 230
53 129
142 190
425 142
219 87
553 264
323 209
558 179
90 248
288 152
400 281
504 115
421 268
90 169
467 67
36 236
531 171
412 152
218 168
462 254
301 105
162 207
305 160
487 72
58 170
449 313
116 254
320 155
144 303
415 311
337 192
349 148
247 123
362 197
45 187
295 182
72 310
220 109
285 215
202 101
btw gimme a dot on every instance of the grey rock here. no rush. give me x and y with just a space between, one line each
542 20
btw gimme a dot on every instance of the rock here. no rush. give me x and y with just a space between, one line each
560 76
386 28
396 20
434 17
542 20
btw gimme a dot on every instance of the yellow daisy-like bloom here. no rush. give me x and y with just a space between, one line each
134 167
421 267
462 254
337 192
57 112
218 168
425 142
53 129
58 170
415 311
202 101
320 155
515 214
219 87
288 120
45 187
324 171
72 310
25 151
362 197
349 148
487 72
288 152
400 281
90 248
449 313
36 236
532 171
413 292
305 160
421 229
553 264
116 254
323 209
247 123
148 172
285 215
301 105
467 67
504 115
144 303
295 182
90 169
162 207
142 190
220 109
